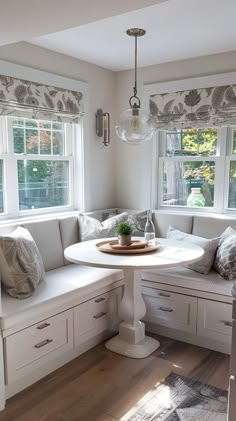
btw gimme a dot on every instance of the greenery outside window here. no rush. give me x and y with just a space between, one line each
36 166
199 159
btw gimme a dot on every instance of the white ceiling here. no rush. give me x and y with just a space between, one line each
23 19
176 29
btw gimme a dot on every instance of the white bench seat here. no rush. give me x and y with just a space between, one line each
189 279
62 286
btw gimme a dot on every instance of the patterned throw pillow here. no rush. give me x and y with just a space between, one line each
138 220
21 263
91 229
209 246
225 260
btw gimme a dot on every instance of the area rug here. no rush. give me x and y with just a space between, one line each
178 398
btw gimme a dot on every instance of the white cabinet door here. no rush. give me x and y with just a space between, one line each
214 320
36 345
232 399
97 315
169 309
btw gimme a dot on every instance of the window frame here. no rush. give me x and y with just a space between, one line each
10 174
182 85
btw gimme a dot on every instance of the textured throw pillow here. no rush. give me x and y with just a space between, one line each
91 229
21 264
138 220
225 260
209 246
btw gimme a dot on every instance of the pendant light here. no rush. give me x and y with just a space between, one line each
134 126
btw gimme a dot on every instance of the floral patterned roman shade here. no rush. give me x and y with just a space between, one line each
206 107
23 98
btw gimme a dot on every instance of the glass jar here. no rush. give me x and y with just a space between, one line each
149 230
196 198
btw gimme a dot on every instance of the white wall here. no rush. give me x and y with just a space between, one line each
133 163
99 161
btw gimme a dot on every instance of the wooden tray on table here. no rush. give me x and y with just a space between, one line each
135 247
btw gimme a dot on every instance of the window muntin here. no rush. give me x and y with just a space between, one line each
37 158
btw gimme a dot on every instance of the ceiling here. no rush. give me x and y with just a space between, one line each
96 31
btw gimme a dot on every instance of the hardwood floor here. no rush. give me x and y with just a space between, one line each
102 386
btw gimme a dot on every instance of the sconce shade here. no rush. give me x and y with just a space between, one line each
134 126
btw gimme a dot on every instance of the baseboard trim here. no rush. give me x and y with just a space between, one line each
188 338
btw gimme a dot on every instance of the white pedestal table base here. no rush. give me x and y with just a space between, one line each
131 340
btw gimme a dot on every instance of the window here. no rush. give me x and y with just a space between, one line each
36 165
200 162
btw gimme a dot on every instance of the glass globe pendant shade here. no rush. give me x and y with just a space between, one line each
134 126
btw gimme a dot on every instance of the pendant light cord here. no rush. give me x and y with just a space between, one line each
135 67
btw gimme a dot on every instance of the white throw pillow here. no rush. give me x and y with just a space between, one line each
209 246
21 263
91 229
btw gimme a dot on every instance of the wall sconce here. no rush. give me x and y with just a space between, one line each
103 126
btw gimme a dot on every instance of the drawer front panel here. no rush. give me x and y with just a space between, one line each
96 315
171 310
214 320
38 344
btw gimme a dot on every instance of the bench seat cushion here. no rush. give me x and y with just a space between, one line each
187 278
60 286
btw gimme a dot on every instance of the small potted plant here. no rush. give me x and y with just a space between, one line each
124 231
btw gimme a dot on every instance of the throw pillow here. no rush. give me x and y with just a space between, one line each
225 260
91 229
138 220
21 263
209 246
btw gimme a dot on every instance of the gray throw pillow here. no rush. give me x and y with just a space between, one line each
91 229
209 246
21 263
225 260
138 220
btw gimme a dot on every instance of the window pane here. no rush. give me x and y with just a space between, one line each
232 185
192 142
18 136
32 141
179 178
234 141
38 137
45 142
58 143
1 187
43 184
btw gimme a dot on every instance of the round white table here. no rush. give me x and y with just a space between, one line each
131 340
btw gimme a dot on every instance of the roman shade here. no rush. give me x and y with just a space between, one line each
206 107
27 99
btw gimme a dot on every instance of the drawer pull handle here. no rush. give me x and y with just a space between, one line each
163 294
97 316
43 343
169 310
227 323
99 300
43 325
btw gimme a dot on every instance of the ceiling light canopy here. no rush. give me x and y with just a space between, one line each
134 125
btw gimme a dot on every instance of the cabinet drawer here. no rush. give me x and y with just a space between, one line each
96 315
32 347
214 320
171 310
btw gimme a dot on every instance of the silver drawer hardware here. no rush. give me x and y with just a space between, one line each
97 316
227 323
163 294
43 325
169 310
99 300
43 343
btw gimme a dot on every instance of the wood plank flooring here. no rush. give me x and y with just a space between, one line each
103 386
